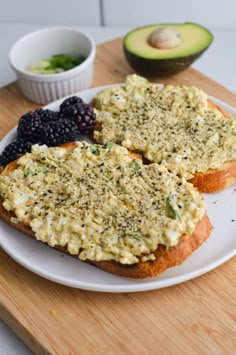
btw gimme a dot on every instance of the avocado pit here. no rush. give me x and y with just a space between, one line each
165 38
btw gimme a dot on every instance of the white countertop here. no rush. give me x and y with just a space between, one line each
218 63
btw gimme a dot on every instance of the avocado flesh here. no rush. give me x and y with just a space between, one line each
151 61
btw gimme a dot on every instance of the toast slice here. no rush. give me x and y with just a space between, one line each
102 205
176 126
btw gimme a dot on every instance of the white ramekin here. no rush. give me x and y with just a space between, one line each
42 44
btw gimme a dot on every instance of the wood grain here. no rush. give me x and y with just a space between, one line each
196 317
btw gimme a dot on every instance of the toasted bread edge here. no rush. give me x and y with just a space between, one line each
165 257
211 180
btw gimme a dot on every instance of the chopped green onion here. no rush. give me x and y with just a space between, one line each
56 64
27 172
171 212
95 150
108 145
135 165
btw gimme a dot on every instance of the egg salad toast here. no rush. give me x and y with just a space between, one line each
175 126
101 204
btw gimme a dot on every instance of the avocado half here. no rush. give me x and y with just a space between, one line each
150 61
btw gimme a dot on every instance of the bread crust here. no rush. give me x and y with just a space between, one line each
215 180
211 180
165 257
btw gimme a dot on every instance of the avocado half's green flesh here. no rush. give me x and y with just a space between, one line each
150 61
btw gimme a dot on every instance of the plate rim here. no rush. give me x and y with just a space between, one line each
151 284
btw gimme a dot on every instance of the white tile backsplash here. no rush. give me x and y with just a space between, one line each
215 14
51 12
210 13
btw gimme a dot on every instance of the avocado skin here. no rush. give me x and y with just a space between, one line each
160 67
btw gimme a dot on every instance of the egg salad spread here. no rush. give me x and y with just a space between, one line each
172 125
99 202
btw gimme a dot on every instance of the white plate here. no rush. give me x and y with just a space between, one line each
51 264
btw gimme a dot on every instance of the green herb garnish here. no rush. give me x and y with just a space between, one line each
95 150
171 212
95 173
63 61
107 174
108 145
135 165
137 236
56 64
27 172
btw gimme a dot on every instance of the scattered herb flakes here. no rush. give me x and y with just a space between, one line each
137 236
27 172
170 210
108 145
95 149
135 165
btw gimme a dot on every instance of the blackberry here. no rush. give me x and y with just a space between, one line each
73 100
30 124
47 115
13 150
83 115
57 132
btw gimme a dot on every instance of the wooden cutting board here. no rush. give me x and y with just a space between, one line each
196 317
